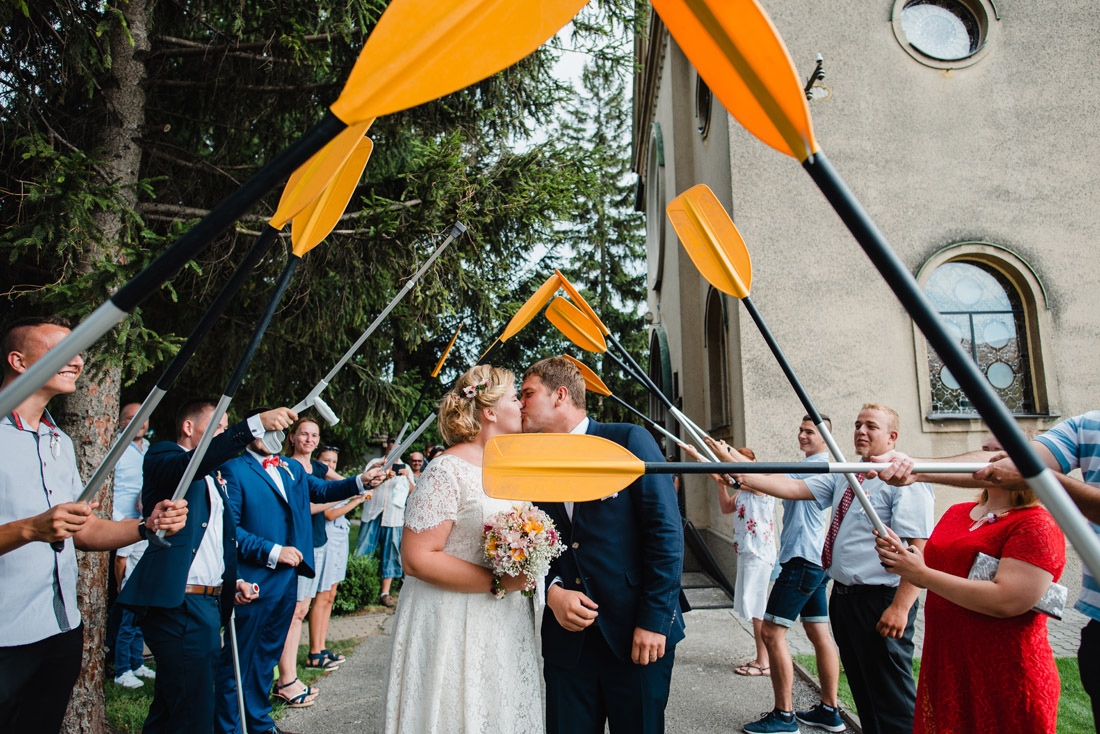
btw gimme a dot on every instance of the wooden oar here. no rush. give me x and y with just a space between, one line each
283 214
593 383
274 439
739 54
580 328
307 231
568 467
714 244
418 51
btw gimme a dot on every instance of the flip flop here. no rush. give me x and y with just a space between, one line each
752 670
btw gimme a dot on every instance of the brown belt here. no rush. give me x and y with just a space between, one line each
204 590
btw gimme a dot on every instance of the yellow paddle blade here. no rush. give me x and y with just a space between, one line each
739 54
319 218
306 184
582 304
531 308
576 327
556 467
592 381
424 49
711 240
439 364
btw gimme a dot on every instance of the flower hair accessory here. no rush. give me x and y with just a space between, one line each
472 391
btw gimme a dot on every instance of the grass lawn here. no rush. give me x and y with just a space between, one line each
127 707
1074 707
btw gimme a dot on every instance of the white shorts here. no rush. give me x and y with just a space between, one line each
307 588
750 590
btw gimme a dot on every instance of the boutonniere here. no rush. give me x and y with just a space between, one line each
286 467
221 480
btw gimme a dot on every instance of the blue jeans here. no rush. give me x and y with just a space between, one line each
372 535
800 589
129 644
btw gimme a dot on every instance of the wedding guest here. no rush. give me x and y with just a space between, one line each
462 661
129 643
416 465
973 627
41 634
337 529
303 439
383 518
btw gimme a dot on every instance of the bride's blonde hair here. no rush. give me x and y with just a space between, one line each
460 410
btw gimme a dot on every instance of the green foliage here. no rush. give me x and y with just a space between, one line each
361 586
227 87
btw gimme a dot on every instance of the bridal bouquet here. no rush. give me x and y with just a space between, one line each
521 541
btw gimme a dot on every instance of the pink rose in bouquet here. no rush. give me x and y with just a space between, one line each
522 541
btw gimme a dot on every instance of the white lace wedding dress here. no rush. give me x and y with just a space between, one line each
460 662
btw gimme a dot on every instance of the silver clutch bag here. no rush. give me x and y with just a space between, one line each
1053 603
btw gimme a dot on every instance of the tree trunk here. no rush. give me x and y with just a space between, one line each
91 414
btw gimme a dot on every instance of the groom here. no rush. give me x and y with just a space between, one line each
615 593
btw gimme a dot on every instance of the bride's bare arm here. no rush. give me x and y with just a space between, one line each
422 556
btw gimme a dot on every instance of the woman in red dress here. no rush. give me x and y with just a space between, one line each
987 665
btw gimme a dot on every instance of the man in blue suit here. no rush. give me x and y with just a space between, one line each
183 594
270 498
615 596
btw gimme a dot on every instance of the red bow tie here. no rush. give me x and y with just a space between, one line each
271 461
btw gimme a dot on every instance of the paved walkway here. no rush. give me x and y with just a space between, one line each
706 698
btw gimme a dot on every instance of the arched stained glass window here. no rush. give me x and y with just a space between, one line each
983 310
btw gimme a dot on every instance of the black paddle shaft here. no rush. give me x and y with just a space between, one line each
792 378
261 326
196 239
905 287
738 467
217 308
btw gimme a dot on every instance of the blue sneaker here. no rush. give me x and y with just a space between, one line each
770 722
822 717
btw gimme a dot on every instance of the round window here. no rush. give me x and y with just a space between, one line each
945 34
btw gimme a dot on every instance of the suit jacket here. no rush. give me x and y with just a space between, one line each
265 519
160 576
625 552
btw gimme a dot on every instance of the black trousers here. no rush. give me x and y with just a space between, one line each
879 669
186 642
601 688
36 681
1088 664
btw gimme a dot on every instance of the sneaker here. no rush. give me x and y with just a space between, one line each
128 680
822 717
146 672
772 721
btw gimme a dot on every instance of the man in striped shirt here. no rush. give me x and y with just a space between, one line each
1072 444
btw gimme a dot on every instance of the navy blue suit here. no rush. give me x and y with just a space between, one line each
265 519
626 554
182 630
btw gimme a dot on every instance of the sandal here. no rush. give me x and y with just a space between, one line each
334 656
300 701
752 669
321 661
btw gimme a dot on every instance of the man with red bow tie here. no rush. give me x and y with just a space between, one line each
270 498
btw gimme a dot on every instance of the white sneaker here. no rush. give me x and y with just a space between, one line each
146 672
128 680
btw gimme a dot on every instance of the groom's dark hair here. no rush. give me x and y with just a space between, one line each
558 372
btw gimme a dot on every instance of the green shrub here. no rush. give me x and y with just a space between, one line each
361 586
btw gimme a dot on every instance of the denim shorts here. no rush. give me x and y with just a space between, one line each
799 590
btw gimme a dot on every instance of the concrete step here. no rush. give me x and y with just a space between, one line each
696 580
707 598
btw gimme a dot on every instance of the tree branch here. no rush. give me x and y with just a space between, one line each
193 48
265 88
174 212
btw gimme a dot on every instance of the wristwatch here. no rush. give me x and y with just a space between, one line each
143 532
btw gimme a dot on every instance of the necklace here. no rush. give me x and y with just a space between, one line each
990 516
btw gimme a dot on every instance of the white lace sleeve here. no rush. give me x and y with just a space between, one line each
434 499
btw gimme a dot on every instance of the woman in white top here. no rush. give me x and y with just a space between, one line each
462 660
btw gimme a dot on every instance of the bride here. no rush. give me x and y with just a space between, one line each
462 660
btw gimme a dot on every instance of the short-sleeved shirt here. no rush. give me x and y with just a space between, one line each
1075 443
37 471
804 524
128 474
908 511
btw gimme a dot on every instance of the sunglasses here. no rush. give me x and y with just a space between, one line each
323 449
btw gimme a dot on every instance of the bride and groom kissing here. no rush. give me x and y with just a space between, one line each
464 660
